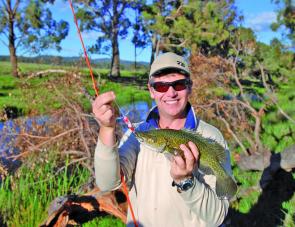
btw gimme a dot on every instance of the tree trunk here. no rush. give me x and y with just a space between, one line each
154 46
115 65
12 49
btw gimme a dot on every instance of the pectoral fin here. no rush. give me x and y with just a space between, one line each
206 169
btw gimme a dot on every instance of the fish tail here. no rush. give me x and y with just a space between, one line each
226 187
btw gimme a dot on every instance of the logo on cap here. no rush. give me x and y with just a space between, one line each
181 64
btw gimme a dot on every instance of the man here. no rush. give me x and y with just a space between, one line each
155 200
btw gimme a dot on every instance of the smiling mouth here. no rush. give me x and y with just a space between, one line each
171 101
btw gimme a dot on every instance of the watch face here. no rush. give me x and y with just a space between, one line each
187 185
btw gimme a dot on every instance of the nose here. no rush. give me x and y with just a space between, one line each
171 91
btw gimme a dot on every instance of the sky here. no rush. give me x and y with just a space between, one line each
258 15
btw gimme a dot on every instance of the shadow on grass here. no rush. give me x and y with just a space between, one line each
7 87
12 112
268 211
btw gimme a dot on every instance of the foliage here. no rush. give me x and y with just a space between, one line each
25 195
111 21
285 17
202 26
39 95
33 24
289 209
105 222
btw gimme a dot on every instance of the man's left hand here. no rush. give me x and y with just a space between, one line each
183 168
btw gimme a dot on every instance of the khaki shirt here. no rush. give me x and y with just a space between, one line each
155 202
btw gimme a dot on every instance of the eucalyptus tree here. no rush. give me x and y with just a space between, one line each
286 17
29 25
154 20
111 21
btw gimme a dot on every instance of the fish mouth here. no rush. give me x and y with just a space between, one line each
138 137
141 140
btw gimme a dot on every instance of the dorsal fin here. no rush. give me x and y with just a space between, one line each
218 150
215 147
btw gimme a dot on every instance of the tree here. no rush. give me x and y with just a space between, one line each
140 35
29 25
193 26
286 17
110 20
154 19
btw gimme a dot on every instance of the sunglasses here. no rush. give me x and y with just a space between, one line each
178 85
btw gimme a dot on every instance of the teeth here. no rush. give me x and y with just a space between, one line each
171 102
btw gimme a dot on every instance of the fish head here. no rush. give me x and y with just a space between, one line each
150 138
145 137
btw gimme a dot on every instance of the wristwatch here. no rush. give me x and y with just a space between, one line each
184 185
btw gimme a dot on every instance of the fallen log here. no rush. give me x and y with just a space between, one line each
49 71
268 162
78 209
260 161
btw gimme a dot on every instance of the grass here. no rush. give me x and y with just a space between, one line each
39 95
25 197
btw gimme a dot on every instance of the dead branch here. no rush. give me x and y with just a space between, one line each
48 71
78 209
228 127
78 115
54 138
271 95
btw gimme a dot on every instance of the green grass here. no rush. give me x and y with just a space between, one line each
107 221
40 95
25 197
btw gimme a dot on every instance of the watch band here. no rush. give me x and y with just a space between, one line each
184 185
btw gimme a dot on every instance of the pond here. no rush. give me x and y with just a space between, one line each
9 129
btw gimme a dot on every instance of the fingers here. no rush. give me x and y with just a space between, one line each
189 158
103 109
182 167
194 150
105 98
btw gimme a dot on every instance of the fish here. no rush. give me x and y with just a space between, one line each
212 154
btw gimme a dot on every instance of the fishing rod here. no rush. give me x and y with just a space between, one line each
125 118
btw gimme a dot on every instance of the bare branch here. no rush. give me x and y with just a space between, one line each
271 95
15 7
231 132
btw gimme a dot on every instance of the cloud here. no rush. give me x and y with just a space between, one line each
92 35
61 6
260 22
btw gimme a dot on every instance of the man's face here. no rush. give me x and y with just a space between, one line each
172 103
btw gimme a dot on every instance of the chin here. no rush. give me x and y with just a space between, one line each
174 113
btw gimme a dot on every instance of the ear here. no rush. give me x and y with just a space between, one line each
151 90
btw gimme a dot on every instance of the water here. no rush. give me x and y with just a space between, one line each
135 112
9 130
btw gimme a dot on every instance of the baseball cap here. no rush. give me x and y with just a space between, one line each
169 62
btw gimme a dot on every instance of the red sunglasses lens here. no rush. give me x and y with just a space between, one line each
160 87
177 85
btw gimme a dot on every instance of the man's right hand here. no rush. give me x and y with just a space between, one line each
104 112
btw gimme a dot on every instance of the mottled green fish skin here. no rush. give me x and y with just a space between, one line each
212 154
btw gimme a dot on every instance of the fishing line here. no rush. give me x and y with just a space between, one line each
125 118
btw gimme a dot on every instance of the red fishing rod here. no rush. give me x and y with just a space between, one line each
125 118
